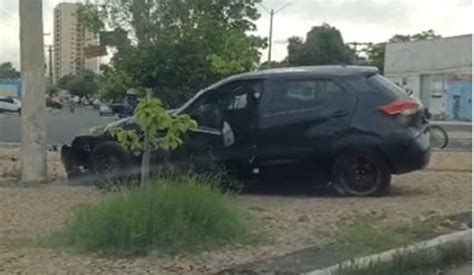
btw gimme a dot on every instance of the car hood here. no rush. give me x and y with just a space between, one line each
128 121
120 123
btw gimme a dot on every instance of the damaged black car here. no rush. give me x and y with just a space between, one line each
343 126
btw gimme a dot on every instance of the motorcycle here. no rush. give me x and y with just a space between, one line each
438 136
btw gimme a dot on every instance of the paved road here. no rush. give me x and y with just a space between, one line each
62 125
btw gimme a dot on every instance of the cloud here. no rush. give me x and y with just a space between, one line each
358 20
365 20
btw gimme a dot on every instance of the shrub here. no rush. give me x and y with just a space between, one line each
169 215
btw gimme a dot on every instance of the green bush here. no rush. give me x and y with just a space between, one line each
169 215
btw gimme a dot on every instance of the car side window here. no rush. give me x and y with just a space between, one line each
241 93
295 95
215 106
206 111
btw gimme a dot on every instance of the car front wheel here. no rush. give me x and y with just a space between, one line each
361 173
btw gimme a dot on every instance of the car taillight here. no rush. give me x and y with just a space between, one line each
401 107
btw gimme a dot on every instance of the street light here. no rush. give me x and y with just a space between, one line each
270 38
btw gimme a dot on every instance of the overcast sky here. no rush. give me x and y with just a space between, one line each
358 20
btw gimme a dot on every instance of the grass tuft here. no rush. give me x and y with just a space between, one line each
169 215
414 262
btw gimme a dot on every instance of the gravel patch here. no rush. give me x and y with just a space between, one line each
290 222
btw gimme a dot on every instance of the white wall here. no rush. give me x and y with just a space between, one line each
408 81
426 66
452 54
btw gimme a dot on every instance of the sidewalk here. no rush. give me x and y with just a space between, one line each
451 123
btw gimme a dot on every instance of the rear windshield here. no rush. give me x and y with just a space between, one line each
385 85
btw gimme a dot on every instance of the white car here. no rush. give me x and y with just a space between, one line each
105 110
10 104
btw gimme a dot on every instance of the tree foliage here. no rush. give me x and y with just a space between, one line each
424 35
83 84
7 71
323 45
153 119
158 130
177 47
376 56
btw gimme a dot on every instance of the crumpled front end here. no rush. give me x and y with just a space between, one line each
76 157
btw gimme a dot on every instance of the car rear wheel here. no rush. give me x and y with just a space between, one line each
111 165
361 173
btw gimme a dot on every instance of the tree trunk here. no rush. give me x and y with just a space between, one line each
145 169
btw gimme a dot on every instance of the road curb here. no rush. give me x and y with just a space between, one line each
433 245
10 144
451 123
50 148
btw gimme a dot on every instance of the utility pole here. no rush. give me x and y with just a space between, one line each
33 113
50 73
270 36
50 56
355 45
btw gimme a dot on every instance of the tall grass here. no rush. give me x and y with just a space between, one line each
169 215
414 262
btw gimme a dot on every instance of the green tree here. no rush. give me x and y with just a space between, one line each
274 64
63 82
152 118
376 55
177 47
323 45
7 71
83 84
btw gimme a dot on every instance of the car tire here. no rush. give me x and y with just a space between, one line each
73 173
111 165
361 173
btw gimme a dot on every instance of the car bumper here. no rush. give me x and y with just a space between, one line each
415 156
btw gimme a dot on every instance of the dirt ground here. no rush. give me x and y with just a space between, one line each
290 221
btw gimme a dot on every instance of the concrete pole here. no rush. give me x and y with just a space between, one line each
33 113
50 74
270 38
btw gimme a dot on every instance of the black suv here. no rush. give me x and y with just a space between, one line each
347 125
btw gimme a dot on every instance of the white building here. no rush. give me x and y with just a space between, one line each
70 38
438 71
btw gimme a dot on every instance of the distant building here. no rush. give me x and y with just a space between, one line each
438 71
11 88
70 39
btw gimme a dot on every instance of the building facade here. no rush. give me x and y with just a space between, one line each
70 39
437 71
